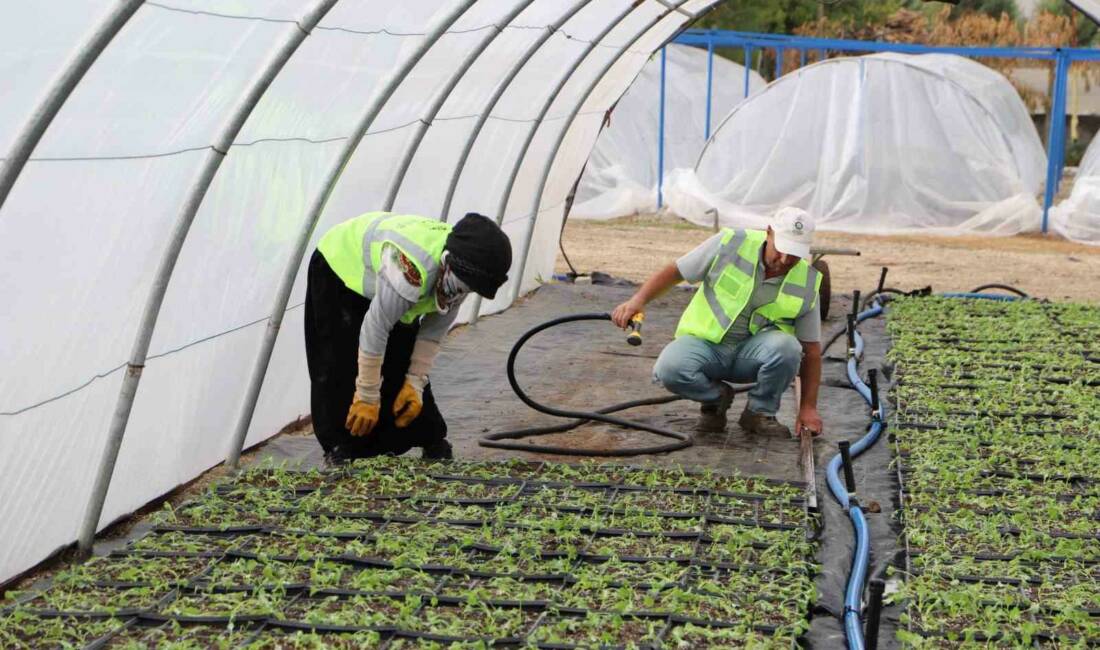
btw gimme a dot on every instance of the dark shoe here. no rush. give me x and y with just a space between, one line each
762 424
712 415
440 450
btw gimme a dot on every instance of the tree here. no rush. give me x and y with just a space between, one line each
1086 29
992 8
783 16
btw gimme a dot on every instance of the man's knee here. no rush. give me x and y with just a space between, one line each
784 350
673 371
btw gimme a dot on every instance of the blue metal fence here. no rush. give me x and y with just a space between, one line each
751 42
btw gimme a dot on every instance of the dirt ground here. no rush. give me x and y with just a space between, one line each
1047 267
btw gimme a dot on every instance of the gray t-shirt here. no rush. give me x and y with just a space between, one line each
694 266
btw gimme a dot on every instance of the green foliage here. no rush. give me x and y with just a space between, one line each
997 437
992 8
477 551
783 16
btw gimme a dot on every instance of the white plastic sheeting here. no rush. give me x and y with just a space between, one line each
1078 217
883 143
620 177
91 214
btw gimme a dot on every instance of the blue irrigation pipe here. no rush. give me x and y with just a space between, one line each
710 88
853 594
979 296
661 134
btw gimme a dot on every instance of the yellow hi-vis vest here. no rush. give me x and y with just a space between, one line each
729 283
353 249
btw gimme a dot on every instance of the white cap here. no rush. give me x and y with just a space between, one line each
794 231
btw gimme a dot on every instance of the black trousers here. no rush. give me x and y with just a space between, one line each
333 319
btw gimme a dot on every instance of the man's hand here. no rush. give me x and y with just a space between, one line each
624 312
362 417
409 401
808 419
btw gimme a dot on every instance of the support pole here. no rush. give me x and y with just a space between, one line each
441 96
507 193
874 613
487 110
525 249
802 57
87 54
846 462
386 88
661 135
778 62
1056 139
748 69
710 86
140 350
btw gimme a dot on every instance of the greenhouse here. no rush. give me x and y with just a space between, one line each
879 143
458 324
621 177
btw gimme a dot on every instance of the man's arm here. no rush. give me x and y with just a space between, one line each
810 374
657 284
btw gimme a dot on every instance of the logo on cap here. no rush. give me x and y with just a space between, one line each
798 225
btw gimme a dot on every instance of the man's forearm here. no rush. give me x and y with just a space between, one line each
658 283
810 374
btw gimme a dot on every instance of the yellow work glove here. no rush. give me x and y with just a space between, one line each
362 417
409 400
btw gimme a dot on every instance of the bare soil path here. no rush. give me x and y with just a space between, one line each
1047 267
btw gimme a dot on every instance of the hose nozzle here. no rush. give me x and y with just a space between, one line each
635 326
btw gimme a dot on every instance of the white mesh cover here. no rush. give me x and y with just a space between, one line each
1078 217
87 223
882 143
620 177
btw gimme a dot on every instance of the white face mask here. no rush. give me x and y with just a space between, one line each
449 289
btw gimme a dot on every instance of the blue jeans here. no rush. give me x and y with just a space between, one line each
692 367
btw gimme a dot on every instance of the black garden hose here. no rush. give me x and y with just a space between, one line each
500 439
1002 287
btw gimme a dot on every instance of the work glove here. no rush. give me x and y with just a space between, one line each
410 399
362 417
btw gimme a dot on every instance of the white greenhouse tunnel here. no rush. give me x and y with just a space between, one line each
621 177
1078 216
885 143
147 156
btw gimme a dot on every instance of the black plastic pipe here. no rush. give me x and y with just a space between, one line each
846 461
874 613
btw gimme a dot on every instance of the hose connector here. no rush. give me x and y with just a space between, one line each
635 325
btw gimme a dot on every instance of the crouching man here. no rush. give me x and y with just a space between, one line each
754 319
382 290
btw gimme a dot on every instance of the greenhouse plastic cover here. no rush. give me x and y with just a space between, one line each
621 175
884 143
1078 216
90 216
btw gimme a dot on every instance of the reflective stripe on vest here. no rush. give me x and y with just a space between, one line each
728 286
354 249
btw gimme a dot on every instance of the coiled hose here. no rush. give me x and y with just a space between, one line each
502 439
